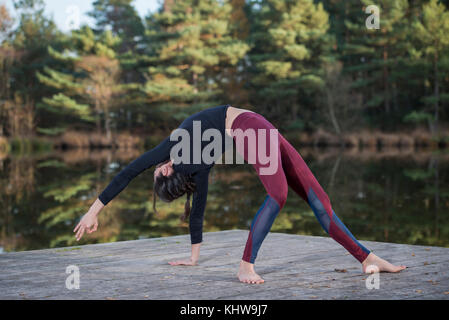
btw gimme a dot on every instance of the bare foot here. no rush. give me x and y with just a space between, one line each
247 274
373 264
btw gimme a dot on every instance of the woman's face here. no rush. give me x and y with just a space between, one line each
165 169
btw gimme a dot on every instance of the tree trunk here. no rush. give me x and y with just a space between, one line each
107 125
437 197
436 94
195 81
395 96
385 76
128 119
97 118
195 89
331 106
334 173
294 111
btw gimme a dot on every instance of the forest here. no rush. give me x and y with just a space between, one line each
323 72
311 67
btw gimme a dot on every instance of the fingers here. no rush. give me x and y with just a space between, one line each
80 233
81 228
92 228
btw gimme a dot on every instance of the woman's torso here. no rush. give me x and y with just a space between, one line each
231 114
218 118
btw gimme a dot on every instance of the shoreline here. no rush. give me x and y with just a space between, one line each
373 140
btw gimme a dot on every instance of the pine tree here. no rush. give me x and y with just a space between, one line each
236 75
376 57
120 17
289 42
431 33
7 57
27 47
88 81
189 44
341 104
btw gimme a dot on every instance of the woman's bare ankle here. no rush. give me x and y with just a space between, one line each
373 264
246 265
247 274
368 258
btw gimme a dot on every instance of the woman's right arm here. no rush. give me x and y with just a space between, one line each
152 157
89 221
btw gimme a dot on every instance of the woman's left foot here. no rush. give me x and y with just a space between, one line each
373 264
247 274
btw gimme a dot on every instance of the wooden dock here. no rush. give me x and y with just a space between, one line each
293 266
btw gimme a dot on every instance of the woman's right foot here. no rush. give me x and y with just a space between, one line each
373 264
247 274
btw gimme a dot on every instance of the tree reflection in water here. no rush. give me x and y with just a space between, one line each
383 196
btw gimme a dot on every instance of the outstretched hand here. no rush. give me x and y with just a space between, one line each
88 223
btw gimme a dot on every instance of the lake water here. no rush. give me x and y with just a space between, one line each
389 196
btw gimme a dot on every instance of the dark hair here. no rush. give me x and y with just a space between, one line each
171 187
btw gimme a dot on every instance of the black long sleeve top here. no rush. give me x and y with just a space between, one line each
211 118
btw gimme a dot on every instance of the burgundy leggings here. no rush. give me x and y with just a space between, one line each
291 170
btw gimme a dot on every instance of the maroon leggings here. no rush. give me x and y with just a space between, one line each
291 170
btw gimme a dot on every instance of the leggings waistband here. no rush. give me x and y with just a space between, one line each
248 116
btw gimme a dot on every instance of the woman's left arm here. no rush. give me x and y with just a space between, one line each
196 218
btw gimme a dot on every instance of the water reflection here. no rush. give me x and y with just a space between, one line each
393 195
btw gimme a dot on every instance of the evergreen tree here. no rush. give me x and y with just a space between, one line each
431 33
7 56
236 75
120 17
376 57
289 42
26 54
341 104
88 83
189 44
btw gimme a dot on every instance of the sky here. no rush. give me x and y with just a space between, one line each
70 13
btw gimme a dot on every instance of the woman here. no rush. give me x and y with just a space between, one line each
174 178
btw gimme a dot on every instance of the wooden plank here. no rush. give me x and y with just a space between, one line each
293 266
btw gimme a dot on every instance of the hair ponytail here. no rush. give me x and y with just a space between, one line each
186 208
154 203
169 188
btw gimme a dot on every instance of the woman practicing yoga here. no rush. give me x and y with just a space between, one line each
275 160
